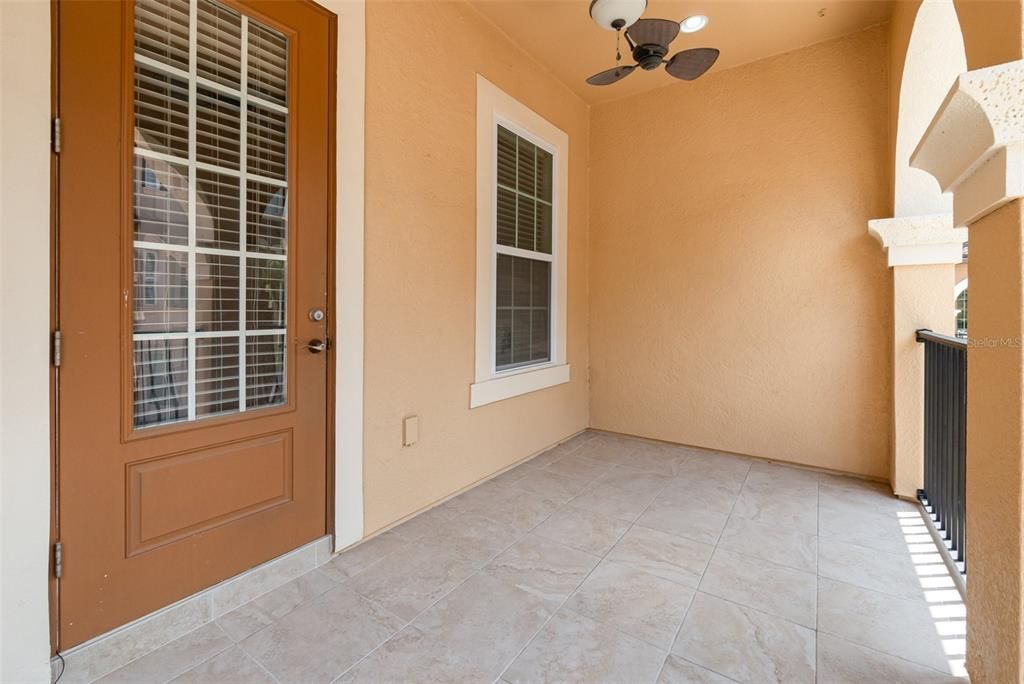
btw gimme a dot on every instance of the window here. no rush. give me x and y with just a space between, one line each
523 232
961 310
210 212
522 175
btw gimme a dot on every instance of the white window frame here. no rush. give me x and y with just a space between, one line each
495 107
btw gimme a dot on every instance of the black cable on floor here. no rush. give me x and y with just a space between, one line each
62 666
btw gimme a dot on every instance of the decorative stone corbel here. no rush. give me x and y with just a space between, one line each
974 146
918 240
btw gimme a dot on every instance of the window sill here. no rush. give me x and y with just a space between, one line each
517 383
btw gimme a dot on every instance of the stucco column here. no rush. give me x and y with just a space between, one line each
922 252
975 148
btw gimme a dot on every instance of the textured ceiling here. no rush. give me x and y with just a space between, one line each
562 37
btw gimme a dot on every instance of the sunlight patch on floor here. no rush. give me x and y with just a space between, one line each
944 601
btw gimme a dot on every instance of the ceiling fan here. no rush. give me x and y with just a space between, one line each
648 40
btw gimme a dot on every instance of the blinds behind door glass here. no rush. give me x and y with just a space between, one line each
523 228
210 196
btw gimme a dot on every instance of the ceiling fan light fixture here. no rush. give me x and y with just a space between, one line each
693 23
613 15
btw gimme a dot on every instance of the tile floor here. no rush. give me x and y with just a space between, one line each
608 559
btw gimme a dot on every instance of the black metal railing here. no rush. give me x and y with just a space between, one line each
945 438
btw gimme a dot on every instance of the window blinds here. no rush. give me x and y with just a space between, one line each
210 211
524 252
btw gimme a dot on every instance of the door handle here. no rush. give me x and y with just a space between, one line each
317 346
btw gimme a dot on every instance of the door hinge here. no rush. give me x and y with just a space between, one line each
56 348
58 559
55 135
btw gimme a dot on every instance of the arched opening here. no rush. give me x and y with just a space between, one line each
960 296
935 57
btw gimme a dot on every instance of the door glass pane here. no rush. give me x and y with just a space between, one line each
268 64
161 32
216 304
219 44
161 291
161 381
217 210
265 361
210 188
161 113
161 201
268 134
216 375
265 289
218 133
266 218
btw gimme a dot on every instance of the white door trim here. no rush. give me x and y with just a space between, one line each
25 492
348 420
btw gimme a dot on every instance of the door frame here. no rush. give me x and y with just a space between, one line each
344 426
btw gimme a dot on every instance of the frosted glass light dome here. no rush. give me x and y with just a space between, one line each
613 15
693 23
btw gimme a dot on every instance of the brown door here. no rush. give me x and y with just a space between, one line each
194 213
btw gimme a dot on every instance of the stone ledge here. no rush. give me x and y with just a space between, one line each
918 240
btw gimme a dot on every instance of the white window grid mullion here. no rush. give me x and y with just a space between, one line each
157 65
202 334
252 176
523 253
172 247
261 332
210 84
242 253
206 166
523 193
193 20
160 156
243 194
228 90
165 246
267 104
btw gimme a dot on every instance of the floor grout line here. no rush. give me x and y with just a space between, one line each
817 587
679 630
231 643
590 483
260 665
892 655
570 594
478 571
408 624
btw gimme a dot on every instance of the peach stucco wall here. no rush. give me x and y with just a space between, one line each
421 62
737 300
993 31
757 200
995 443
923 299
